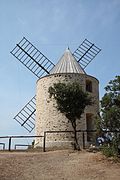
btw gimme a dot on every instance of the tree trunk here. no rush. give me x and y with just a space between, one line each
76 144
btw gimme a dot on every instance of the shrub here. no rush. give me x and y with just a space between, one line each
108 151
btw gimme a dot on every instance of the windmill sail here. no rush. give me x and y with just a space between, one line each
26 117
32 58
85 53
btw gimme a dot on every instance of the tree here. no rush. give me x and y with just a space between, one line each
71 101
110 105
110 116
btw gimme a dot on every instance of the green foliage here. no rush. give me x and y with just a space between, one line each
111 149
108 151
110 104
110 116
71 101
70 98
98 125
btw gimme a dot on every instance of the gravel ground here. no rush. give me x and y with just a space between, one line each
57 165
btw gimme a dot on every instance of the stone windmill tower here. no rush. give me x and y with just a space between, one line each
70 68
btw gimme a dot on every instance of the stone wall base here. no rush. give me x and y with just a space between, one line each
56 144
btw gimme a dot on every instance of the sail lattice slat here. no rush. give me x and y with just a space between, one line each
26 117
32 58
85 53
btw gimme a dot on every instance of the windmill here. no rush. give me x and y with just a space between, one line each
40 66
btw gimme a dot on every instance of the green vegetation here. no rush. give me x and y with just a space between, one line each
110 116
110 104
71 101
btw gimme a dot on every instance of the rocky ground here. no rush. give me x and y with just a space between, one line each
57 165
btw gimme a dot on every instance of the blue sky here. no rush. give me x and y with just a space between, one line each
52 25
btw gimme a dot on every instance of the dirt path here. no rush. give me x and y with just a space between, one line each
58 165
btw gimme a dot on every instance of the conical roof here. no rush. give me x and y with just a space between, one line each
67 64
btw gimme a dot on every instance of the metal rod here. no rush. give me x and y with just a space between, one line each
83 140
44 141
9 148
19 136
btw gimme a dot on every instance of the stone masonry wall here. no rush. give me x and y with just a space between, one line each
48 118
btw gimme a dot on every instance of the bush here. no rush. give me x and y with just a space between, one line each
108 151
111 149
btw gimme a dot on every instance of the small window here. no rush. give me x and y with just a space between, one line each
88 86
